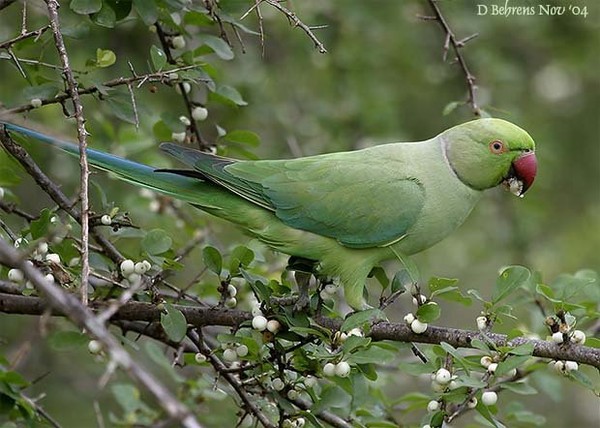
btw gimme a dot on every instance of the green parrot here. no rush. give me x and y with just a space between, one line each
345 211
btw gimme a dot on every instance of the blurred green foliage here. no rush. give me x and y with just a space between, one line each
382 80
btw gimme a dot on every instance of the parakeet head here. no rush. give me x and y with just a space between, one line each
487 152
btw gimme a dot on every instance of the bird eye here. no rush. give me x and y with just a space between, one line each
496 147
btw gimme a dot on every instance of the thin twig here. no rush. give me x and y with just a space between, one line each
298 23
73 91
35 33
456 45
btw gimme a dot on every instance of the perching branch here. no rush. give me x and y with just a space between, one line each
399 332
451 40
68 305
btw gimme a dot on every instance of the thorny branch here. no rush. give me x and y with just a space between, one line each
456 44
68 305
73 91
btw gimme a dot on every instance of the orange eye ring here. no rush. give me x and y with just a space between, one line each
497 147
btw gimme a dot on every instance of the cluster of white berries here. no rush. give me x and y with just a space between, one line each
40 254
231 301
576 336
341 369
491 365
329 291
563 367
418 327
133 271
233 351
340 337
294 423
260 322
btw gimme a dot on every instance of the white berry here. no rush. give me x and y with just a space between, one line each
200 358
482 323
49 278
53 257
492 367
571 366
178 137
256 311
310 381
199 113
178 42
42 248
342 369
35 102
300 422
433 406
472 403
1 193
186 88
356 332
127 267
94 346
453 385
15 275
409 318
141 268
558 337
278 384
443 376
578 337
231 290
185 120
173 77
241 350
559 366
259 323
230 355
485 361
489 398
418 327
419 299
106 220
273 326
331 289
293 394
437 387
329 369
230 302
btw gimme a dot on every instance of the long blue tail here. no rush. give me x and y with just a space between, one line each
189 189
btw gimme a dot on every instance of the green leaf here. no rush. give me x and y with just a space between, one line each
67 340
157 241
582 379
401 280
450 107
85 7
428 312
379 273
212 259
218 46
106 17
44 91
105 58
229 95
128 397
120 105
173 323
147 10
520 387
511 363
524 349
38 228
241 256
358 319
158 57
509 280
459 359
243 137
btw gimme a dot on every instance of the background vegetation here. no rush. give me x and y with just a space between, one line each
383 79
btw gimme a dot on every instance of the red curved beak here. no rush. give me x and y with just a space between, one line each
525 167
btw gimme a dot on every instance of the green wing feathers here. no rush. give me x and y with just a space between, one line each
358 200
